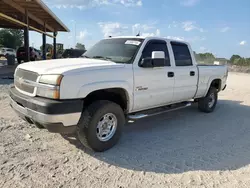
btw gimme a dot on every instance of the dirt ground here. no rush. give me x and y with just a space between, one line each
184 148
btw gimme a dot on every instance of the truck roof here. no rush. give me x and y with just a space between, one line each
144 37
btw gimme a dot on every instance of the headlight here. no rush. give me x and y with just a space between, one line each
49 86
51 79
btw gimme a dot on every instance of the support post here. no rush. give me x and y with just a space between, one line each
44 42
44 47
26 38
54 45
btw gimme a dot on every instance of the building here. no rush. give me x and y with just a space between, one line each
221 61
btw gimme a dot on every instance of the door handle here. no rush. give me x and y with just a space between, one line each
170 74
192 73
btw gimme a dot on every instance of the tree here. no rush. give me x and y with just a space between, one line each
80 46
47 47
234 57
18 34
207 58
11 38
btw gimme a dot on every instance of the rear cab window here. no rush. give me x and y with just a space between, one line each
182 54
156 45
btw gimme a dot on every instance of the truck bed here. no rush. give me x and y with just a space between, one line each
207 73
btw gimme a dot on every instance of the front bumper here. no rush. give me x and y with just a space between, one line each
59 116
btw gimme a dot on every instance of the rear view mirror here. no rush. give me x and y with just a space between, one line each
157 60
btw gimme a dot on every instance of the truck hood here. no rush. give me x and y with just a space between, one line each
60 66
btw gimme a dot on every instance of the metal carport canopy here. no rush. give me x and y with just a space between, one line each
31 15
40 17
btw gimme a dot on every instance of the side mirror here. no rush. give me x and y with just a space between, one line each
157 60
158 55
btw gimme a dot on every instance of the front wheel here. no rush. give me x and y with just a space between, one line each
208 103
101 125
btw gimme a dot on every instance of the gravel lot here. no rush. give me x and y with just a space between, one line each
185 148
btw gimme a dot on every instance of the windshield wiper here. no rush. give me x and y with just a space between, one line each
101 57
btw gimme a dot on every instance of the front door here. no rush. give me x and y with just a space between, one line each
153 87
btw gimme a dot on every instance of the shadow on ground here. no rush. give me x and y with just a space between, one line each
185 140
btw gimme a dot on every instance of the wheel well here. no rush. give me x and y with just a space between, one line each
216 84
116 95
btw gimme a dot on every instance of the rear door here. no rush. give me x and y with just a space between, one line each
186 73
152 86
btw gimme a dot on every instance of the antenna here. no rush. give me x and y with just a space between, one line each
138 34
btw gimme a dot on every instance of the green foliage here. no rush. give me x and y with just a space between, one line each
11 38
207 58
48 47
234 57
240 61
80 46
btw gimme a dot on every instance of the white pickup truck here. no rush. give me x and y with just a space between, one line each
118 79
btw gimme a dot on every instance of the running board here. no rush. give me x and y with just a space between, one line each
157 111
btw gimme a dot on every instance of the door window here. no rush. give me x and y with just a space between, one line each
181 54
156 45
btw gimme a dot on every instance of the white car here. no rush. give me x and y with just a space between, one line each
4 52
117 79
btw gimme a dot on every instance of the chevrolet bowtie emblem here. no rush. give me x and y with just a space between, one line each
21 80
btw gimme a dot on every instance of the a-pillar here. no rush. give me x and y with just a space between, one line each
26 38
54 45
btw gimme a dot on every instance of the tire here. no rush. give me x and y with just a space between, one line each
19 61
208 103
90 120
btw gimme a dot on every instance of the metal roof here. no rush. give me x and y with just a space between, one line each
39 15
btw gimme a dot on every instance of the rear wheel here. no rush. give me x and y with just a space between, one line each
101 125
208 103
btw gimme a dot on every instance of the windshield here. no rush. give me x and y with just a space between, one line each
120 50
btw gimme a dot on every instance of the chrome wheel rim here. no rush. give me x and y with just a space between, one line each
211 100
106 127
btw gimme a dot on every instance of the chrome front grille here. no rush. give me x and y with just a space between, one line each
23 78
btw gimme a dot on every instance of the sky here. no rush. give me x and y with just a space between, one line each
221 27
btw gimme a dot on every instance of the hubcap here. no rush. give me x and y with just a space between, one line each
211 100
106 127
